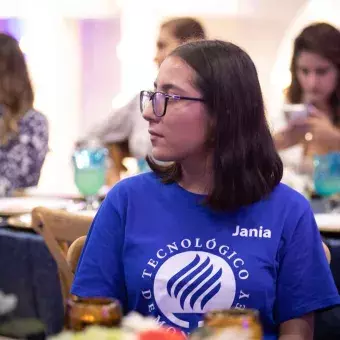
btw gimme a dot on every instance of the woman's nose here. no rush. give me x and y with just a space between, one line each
312 80
148 111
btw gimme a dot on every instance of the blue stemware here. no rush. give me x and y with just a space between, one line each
327 176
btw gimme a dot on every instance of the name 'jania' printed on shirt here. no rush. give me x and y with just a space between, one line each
253 232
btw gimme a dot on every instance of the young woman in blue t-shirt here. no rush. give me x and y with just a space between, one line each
214 229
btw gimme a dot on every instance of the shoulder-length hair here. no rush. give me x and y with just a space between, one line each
246 166
322 39
16 93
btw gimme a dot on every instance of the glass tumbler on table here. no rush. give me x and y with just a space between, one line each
89 172
83 312
241 324
327 178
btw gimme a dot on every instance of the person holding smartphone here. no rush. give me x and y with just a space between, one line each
315 69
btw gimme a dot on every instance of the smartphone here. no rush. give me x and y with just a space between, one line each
295 111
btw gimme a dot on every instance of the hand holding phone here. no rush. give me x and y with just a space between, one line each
295 112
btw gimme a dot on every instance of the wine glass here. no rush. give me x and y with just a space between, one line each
89 172
327 179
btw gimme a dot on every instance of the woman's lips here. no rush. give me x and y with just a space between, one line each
154 134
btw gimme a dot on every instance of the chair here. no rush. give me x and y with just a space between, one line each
327 252
59 228
74 252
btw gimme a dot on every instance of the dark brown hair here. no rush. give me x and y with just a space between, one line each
185 29
246 166
322 39
16 94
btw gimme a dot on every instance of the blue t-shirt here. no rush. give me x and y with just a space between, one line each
160 251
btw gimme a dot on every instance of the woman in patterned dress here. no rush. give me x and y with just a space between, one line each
23 130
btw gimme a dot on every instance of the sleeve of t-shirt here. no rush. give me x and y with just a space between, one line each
100 270
305 282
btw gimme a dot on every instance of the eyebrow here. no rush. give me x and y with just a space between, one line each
167 87
325 67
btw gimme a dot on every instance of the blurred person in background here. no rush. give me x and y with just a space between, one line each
315 69
23 130
125 126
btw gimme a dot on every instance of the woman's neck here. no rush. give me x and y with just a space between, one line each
197 175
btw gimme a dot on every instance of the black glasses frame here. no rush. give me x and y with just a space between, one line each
152 96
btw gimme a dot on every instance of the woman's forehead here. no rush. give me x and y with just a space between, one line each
306 58
176 72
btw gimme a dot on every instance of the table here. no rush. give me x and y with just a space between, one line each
28 270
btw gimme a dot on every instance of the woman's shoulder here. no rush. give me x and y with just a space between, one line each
288 205
34 118
285 195
33 114
140 184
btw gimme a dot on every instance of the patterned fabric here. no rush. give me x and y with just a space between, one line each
22 157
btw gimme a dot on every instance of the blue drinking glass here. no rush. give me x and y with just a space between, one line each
327 174
327 179
89 171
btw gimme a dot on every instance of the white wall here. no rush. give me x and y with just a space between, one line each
52 49
65 8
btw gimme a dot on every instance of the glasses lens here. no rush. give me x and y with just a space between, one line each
144 100
158 104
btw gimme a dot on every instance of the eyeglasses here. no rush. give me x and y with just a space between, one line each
160 101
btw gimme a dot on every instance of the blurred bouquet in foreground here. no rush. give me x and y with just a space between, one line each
218 325
133 327
7 303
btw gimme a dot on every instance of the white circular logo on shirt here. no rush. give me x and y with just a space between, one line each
192 283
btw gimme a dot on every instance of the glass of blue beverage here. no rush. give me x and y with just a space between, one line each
89 171
327 175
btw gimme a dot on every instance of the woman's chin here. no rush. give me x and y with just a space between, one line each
162 155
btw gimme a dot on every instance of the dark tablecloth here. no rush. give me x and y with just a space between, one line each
327 323
28 270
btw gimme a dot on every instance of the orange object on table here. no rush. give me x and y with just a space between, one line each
161 334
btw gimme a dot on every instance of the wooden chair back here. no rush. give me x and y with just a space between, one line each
74 252
59 229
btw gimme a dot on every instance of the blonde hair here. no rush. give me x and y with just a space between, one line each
16 93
